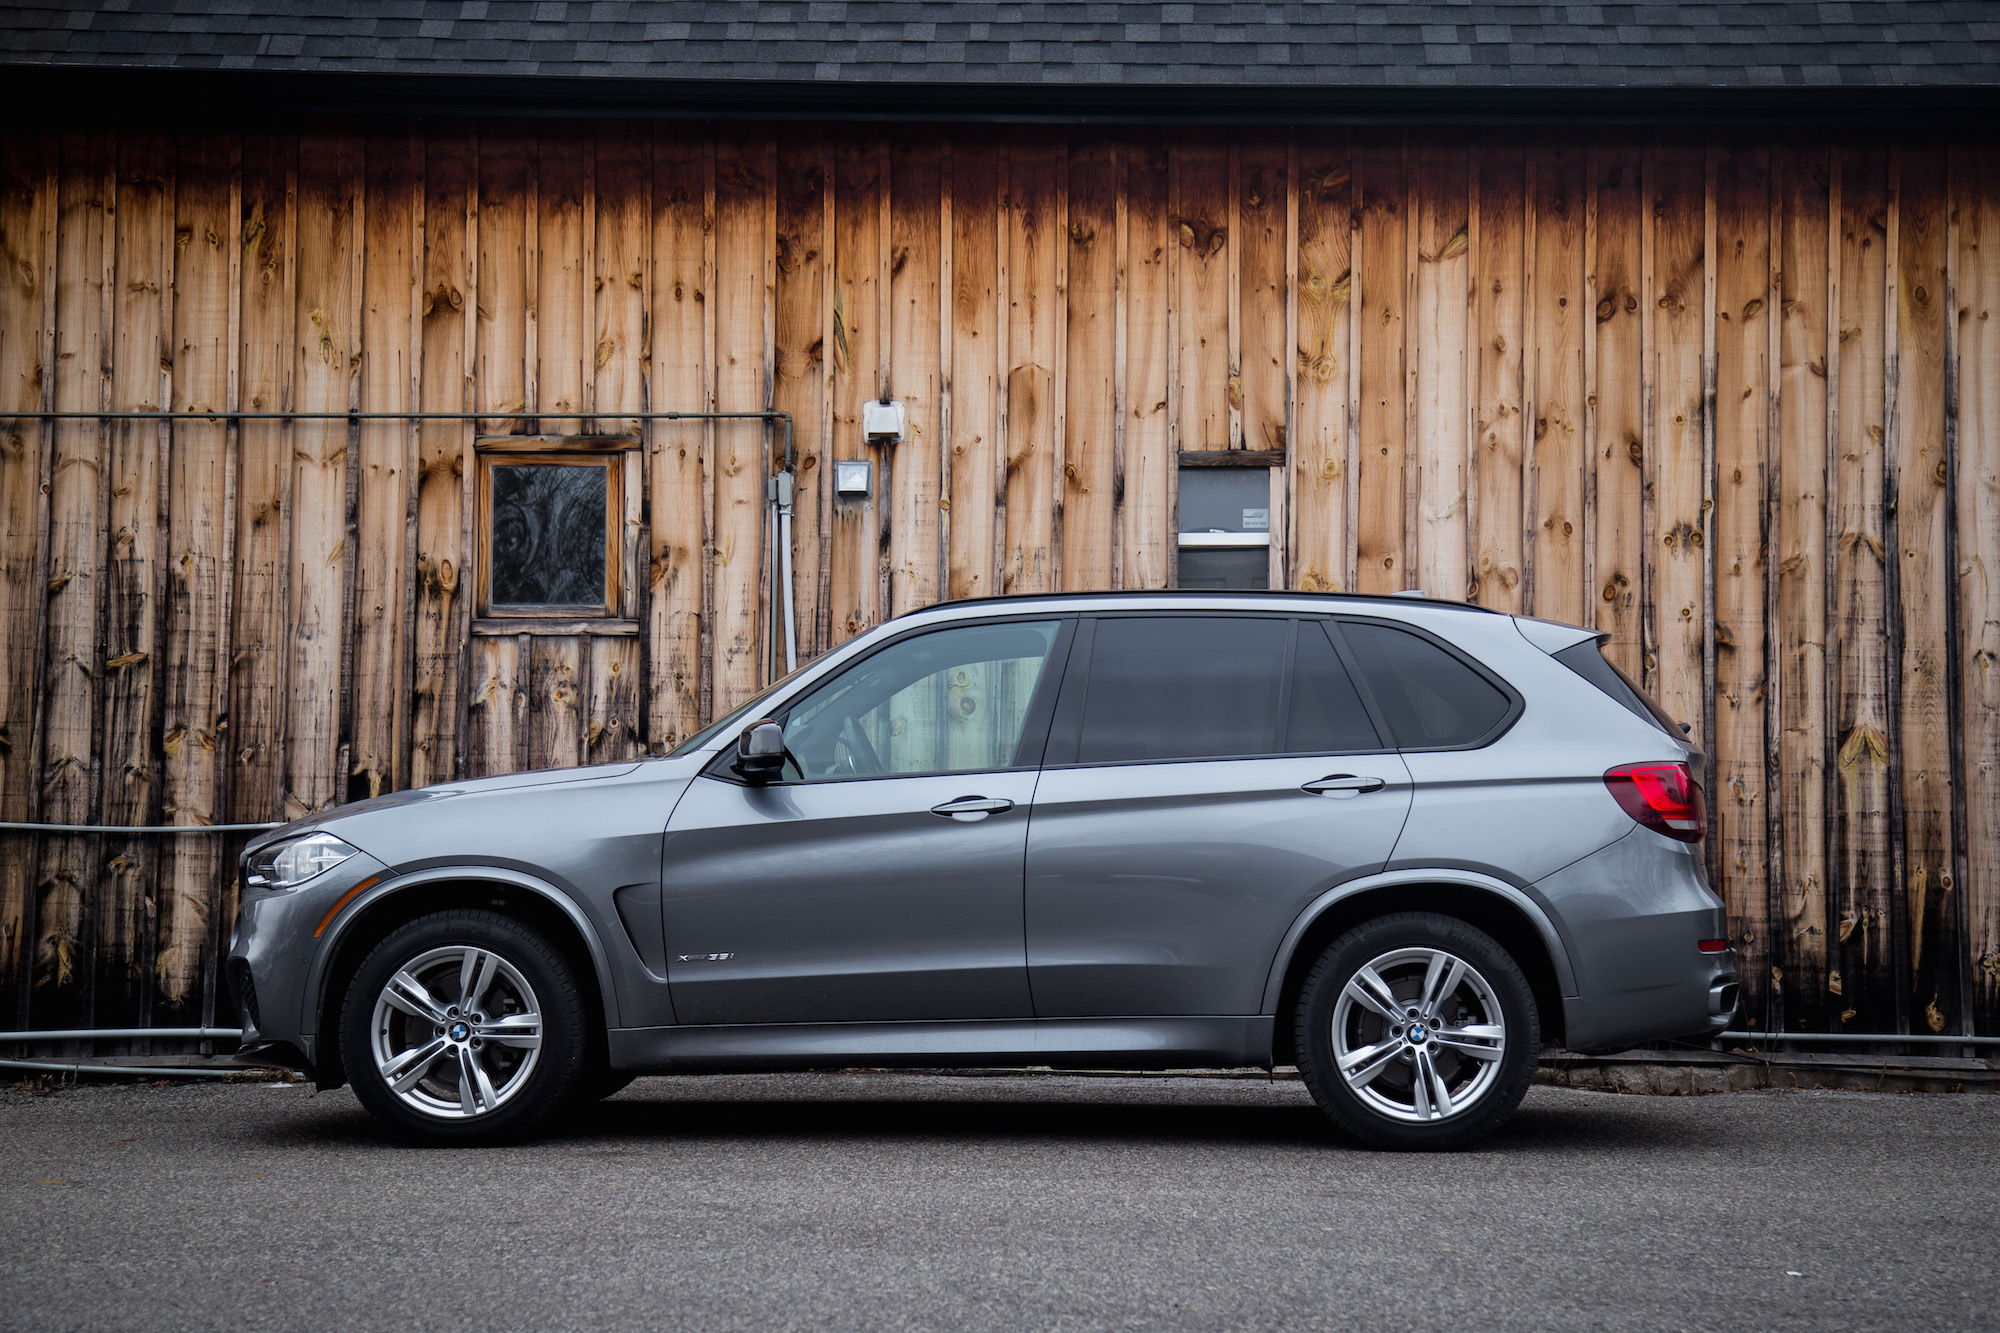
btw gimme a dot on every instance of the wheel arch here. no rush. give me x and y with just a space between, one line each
405 899
1512 917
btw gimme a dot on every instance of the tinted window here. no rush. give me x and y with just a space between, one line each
1588 661
1429 696
953 701
1326 711
1182 687
1224 567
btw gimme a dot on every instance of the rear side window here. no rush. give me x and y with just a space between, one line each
1587 660
1182 687
1326 714
1430 698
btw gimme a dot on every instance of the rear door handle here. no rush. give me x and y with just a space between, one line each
1344 786
972 809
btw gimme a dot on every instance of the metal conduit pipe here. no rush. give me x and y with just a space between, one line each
1886 1038
40 1035
136 828
143 1071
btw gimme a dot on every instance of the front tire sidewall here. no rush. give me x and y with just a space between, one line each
565 1030
1314 1032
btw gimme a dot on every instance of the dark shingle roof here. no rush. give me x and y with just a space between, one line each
1419 44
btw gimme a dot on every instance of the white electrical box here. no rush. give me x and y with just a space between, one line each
853 478
882 421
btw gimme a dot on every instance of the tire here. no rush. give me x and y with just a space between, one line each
1477 1036
434 1074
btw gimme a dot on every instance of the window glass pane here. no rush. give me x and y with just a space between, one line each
548 535
1225 499
1182 687
1225 567
949 702
1327 715
1429 696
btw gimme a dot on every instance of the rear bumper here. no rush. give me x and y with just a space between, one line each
1634 914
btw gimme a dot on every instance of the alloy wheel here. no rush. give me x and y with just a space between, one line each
456 1032
1418 1035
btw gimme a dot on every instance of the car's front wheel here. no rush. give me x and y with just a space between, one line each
463 1027
1417 1031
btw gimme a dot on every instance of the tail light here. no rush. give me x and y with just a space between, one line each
1663 797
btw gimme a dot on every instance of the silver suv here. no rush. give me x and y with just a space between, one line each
1399 843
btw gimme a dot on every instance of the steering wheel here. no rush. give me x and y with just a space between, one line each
858 748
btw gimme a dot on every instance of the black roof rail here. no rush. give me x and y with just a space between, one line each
1246 594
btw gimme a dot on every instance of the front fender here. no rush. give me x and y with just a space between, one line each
1524 900
316 978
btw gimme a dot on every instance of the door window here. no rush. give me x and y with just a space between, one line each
1182 687
952 701
1430 698
1327 716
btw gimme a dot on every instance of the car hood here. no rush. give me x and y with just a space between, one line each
351 821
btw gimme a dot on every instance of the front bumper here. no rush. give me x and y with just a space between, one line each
271 953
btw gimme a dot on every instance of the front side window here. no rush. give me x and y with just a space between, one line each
951 701
549 526
1182 687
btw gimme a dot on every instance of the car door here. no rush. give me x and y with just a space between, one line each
1208 776
880 879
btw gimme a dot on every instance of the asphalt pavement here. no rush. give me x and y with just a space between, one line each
886 1201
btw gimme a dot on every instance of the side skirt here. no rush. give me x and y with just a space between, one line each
1063 1043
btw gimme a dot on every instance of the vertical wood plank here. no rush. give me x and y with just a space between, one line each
1262 196
1322 412
680 372
1498 314
497 711
1200 215
975 367
857 351
1555 320
555 718
79 504
502 371
141 380
27 215
330 171
803 253
1919 470
1741 797
1034 306
915 250
562 342
1146 537
1619 459
742 384
445 459
394 175
1380 301
193 727
1674 474
1439 335
259 661
1089 475
1862 980
1975 204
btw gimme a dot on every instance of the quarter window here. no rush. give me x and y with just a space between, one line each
1182 687
952 701
1430 698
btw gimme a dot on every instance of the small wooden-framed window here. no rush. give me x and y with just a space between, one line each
550 517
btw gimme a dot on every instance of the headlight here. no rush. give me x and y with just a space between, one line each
286 865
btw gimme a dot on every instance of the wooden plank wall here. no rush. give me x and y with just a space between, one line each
1734 401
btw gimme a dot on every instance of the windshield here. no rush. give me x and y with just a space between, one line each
735 717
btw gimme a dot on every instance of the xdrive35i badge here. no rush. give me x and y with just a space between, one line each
703 957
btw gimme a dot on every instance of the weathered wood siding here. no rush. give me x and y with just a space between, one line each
1733 400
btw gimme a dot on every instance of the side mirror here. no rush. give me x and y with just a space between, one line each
760 752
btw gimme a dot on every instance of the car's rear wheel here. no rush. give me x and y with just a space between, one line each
463 1027
1417 1031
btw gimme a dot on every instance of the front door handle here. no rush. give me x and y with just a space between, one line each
1344 786
972 809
